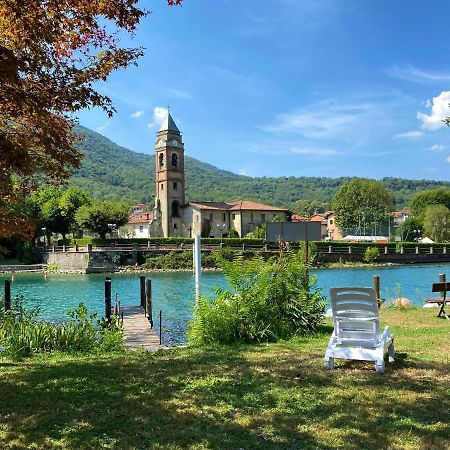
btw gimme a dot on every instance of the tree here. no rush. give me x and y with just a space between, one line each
361 201
52 54
436 222
410 229
310 207
56 210
99 216
421 200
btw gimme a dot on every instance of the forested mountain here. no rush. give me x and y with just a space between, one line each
110 171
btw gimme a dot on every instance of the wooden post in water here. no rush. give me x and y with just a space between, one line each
148 301
142 289
108 300
7 295
160 327
376 286
442 280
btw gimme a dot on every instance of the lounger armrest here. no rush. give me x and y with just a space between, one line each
386 336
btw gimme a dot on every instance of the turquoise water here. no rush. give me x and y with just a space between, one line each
173 293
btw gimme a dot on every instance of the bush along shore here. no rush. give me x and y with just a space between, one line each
23 333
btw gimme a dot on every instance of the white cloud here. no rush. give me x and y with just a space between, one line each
159 114
103 127
351 122
415 75
313 151
137 114
180 94
440 109
448 159
439 148
410 135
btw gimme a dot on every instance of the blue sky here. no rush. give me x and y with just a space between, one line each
292 87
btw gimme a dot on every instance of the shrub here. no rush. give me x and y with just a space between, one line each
23 334
371 254
269 300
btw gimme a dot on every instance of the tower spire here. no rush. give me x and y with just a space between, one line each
169 124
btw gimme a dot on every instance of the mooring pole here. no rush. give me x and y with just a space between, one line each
108 300
148 301
142 287
7 295
160 327
376 286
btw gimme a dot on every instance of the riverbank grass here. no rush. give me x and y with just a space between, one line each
267 396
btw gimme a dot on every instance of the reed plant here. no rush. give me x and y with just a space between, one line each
23 333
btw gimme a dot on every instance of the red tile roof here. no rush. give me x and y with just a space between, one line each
211 205
144 217
254 206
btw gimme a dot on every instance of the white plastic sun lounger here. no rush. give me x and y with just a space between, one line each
356 333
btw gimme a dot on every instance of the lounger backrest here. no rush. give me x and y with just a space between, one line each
355 315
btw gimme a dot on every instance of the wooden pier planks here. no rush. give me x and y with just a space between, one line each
137 331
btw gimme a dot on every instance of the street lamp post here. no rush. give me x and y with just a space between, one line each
416 235
44 231
221 228
112 228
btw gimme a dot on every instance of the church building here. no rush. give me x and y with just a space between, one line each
172 216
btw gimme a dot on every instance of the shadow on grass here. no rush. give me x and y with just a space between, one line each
230 398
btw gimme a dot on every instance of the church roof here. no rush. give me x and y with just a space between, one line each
254 206
220 206
236 206
169 124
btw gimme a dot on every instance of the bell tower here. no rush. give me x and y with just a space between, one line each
170 177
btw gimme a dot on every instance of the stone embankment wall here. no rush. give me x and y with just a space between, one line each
76 262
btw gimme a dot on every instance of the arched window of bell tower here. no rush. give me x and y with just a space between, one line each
161 159
175 209
174 160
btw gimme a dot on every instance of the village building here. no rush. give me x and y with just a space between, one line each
328 228
172 216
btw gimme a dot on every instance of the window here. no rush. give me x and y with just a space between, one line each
197 218
141 228
251 217
263 218
161 159
331 221
233 216
174 160
223 217
161 186
211 217
175 226
175 209
175 186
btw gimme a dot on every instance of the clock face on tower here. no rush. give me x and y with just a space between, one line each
160 143
174 143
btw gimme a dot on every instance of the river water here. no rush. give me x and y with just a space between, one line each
173 292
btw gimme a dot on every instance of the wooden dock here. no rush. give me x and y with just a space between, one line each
136 329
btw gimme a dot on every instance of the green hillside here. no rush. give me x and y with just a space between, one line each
113 172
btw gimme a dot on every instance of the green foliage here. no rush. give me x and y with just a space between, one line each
23 334
182 260
259 233
27 253
308 208
408 230
362 201
115 173
436 222
232 233
55 210
268 300
420 201
371 254
98 216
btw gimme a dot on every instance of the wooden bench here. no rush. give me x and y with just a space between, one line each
442 288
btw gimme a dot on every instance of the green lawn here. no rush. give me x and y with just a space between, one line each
275 396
